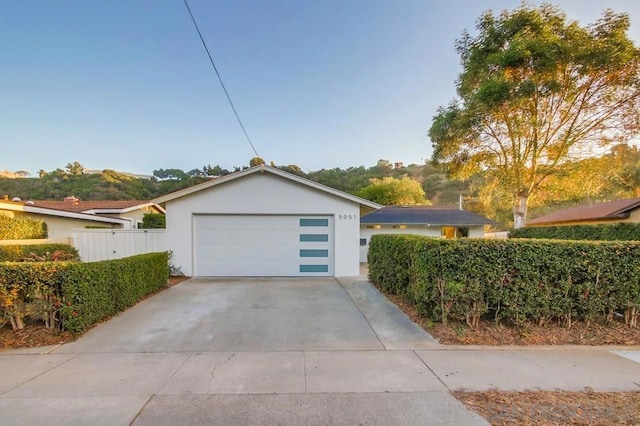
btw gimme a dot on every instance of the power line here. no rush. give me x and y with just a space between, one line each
195 24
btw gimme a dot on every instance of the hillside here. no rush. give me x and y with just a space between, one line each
612 176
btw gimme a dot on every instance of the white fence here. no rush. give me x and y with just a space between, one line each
106 244
497 235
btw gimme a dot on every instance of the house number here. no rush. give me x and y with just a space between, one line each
346 216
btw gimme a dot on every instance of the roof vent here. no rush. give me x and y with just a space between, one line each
16 199
30 203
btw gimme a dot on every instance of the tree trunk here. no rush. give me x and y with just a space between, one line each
520 211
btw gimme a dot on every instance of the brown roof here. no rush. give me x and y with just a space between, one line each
618 209
83 206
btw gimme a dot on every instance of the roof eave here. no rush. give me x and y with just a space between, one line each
124 210
73 215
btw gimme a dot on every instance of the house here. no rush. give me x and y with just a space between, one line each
130 210
63 216
263 221
420 220
592 214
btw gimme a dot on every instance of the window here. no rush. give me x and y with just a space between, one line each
363 241
374 226
454 232
399 226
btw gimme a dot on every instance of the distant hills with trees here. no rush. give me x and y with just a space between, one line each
613 175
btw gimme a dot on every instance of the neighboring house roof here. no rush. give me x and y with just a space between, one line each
425 216
612 210
368 205
97 207
13 206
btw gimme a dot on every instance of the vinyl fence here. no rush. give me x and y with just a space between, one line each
105 244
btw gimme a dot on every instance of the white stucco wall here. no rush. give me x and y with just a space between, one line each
264 193
60 228
427 231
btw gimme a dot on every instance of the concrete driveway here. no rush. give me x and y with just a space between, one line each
251 351
256 315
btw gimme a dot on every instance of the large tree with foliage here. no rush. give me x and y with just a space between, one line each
536 91
391 191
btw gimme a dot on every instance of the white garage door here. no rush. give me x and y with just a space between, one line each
263 245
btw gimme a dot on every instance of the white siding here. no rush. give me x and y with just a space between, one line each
265 194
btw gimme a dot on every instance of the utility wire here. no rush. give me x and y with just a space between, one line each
195 24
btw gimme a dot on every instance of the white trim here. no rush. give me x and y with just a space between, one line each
62 213
261 169
124 210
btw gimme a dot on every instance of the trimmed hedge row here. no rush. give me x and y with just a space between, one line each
510 280
74 295
18 228
21 253
614 232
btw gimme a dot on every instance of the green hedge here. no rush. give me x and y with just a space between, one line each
16 228
21 253
515 281
77 295
613 232
154 221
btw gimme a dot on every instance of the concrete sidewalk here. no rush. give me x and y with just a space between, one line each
297 366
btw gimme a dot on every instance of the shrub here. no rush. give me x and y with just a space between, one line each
512 280
154 221
608 232
16 228
38 252
74 295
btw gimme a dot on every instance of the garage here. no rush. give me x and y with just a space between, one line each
263 245
264 222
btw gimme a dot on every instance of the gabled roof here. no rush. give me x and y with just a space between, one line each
266 169
96 207
425 215
618 209
12 206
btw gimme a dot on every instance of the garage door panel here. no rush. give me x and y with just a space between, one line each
263 245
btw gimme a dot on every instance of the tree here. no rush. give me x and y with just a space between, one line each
214 171
391 191
256 161
154 221
75 168
536 91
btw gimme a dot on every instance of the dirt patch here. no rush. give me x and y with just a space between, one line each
176 280
491 334
555 408
32 335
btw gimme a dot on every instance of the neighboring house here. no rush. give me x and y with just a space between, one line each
419 220
263 221
592 214
62 217
131 210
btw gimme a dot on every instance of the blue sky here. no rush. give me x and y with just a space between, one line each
126 84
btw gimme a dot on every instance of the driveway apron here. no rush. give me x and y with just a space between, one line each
238 351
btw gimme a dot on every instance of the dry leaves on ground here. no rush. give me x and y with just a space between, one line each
491 334
555 408
32 335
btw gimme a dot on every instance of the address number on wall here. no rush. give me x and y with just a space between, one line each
347 216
